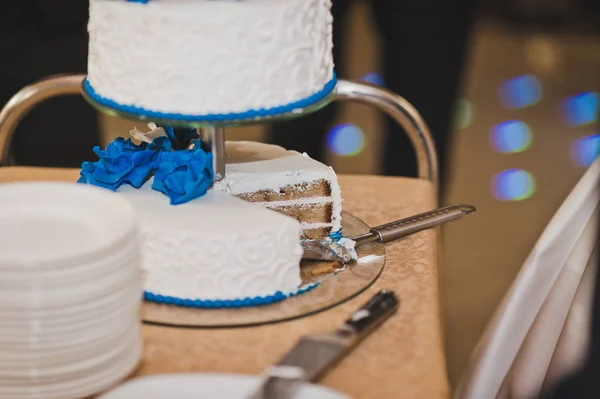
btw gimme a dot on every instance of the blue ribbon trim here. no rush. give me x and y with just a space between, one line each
251 114
223 304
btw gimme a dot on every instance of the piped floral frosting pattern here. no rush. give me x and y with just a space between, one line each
181 168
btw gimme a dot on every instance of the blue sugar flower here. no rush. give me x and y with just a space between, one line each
184 175
121 162
162 143
181 137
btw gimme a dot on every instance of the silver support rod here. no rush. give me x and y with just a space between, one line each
404 114
205 138
27 98
213 139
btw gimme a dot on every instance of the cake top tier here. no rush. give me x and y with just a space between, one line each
209 61
196 1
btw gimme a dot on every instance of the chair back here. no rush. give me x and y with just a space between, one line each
534 338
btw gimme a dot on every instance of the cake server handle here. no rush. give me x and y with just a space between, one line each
404 227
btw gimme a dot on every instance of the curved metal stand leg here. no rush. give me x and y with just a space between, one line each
27 98
30 96
404 114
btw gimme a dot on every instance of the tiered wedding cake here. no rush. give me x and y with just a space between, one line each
234 242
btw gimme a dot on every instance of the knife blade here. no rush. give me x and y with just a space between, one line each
315 354
331 250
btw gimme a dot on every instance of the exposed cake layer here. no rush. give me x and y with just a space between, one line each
210 57
305 212
316 230
319 188
215 248
287 182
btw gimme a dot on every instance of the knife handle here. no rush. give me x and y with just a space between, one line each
381 306
404 227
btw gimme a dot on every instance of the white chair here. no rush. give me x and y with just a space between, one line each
538 335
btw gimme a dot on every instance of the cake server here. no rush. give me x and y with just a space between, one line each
315 354
343 250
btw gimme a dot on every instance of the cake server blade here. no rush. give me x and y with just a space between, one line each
319 250
328 250
315 354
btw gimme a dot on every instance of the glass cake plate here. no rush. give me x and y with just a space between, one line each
333 289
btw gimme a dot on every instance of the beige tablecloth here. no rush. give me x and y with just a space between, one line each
403 359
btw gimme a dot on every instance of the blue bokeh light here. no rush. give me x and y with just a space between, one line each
346 140
510 137
581 109
513 185
464 114
374 78
585 150
521 91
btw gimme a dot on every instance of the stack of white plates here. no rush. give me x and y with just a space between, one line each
70 290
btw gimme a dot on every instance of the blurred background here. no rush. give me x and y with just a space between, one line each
524 127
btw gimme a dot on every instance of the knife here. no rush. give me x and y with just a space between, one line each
343 251
315 354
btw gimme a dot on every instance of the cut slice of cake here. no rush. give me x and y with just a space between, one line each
287 182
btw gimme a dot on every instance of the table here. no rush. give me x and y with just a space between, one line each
403 359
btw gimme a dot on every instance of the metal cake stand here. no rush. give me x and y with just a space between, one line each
389 103
334 288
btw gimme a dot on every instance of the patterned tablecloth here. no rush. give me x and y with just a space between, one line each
402 359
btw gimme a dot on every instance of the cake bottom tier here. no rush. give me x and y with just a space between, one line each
216 248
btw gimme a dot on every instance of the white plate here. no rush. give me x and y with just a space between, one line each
127 294
104 323
57 225
38 332
39 322
205 386
93 269
43 343
18 359
83 386
93 363
59 296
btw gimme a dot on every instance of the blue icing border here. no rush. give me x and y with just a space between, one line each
223 304
251 114
336 235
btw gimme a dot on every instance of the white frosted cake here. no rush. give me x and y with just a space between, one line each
287 182
215 248
207 243
209 59
234 242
